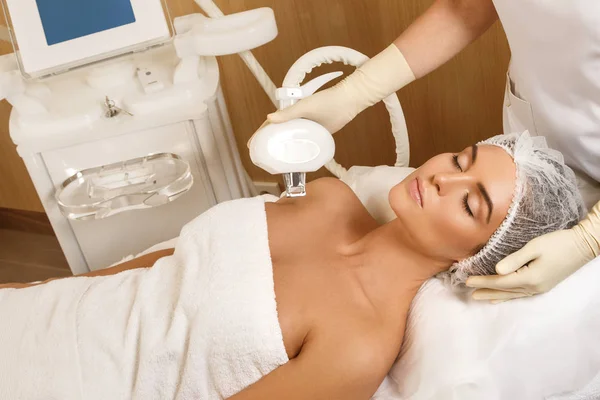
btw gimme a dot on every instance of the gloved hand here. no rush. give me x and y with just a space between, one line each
542 263
333 108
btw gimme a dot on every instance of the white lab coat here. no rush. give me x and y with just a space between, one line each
553 83
553 89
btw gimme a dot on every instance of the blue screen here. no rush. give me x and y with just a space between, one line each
65 20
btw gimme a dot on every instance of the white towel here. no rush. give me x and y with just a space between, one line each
201 324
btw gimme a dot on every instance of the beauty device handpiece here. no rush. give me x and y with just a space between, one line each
295 147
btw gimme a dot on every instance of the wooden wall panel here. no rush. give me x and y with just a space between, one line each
16 188
445 111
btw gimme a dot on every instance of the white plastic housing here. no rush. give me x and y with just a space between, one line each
298 145
187 119
198 35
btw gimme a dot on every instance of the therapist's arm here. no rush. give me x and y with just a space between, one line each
446 28
145 261
443 31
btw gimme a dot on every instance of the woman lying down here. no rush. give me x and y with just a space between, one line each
299 299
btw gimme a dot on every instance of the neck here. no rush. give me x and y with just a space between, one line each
390 268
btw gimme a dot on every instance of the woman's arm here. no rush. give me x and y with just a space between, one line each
145 261
341 369
443 31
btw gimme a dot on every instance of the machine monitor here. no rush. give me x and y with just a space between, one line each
65 20
54 35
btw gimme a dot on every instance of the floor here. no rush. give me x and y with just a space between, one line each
28 257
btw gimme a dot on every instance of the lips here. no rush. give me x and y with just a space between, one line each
415 192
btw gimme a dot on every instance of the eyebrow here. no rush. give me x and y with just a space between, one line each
484 192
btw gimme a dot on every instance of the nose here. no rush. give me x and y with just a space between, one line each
446 183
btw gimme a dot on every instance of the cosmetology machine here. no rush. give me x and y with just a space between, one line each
120 119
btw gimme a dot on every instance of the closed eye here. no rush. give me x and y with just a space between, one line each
466 206
455 162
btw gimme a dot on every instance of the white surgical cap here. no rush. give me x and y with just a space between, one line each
545 199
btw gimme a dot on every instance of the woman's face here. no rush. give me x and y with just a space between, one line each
452 204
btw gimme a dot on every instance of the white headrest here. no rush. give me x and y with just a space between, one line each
372 186
458 348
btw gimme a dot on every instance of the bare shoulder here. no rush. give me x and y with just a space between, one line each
333 192
330 185
326 196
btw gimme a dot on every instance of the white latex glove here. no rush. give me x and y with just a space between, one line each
333 108
542 263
